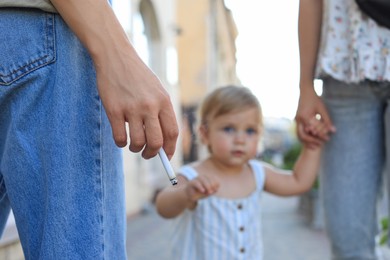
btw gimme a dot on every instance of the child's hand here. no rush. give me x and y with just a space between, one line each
316 127
201 187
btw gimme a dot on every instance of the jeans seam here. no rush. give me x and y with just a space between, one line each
100 165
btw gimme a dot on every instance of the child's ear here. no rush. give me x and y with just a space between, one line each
203 134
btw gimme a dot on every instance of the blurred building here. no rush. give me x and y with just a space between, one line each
206 48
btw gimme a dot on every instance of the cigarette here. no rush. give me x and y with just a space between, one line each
168 167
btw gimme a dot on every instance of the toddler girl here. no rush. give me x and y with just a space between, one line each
217 202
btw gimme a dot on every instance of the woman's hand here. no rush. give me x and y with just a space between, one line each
311 106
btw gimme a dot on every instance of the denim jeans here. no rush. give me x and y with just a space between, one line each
352 166
60 170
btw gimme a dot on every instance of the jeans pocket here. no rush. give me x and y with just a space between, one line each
27 42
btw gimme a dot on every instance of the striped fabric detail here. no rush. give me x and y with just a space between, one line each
220 228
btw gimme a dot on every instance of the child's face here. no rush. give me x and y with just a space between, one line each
233 137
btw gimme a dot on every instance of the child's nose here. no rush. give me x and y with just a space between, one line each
240 137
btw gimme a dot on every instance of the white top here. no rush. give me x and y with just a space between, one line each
44 5
220 228
353 46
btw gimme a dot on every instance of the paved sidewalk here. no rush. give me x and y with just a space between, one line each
286 233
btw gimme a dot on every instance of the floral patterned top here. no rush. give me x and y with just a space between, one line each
353 47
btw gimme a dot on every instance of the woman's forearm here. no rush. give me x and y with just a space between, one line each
129 90
309 33
96 25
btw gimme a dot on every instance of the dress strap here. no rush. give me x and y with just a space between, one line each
259 173
189 172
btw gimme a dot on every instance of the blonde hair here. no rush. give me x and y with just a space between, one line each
225 100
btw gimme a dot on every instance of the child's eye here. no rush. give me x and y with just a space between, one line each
251 131
228 129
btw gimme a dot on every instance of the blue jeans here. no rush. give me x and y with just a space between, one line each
60 170
352 166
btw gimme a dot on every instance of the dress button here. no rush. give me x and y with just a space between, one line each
242 229
242 250
239 206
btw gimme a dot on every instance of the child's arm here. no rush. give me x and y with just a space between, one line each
300 180
173 200
305 169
